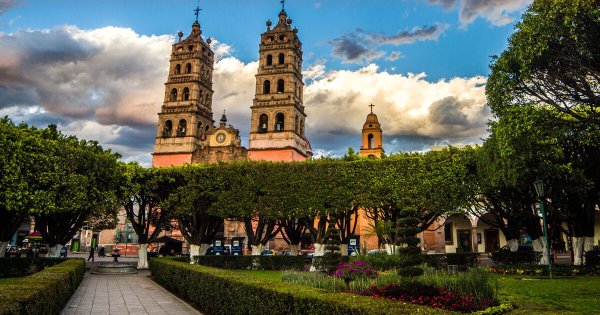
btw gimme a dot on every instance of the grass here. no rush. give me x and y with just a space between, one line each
579 295
4 281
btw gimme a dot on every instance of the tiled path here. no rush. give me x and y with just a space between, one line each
124 294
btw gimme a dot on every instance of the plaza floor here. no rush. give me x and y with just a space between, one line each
123 294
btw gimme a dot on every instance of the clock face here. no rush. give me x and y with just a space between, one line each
220 138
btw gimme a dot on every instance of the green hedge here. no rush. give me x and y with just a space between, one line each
20 266
255 262
506 257
45 292
218 291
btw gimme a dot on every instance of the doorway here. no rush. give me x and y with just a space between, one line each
464 241
492 240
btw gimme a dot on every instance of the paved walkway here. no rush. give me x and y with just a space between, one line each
124 294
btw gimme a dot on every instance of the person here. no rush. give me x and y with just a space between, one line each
63 252
102 252
91 254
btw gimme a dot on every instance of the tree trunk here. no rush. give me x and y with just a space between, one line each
319 250
344 249
392 249
257 249
54 251
539 245
580 246
3 246
143 257
293 249
512 244
194 251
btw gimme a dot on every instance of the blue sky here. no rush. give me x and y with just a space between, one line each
423 62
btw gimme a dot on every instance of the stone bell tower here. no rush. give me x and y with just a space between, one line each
277 129
186 115
372 137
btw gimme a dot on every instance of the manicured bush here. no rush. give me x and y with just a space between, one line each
255 262
21 266
506 257
217 291
380 261
45 292
464 261
329 262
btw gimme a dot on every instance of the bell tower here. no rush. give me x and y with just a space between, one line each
372 137
277 129
186 115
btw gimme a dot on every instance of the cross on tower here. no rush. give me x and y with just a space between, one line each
197 10
282 5
371 107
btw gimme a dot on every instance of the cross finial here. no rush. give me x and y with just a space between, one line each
282 5
197 10
371 107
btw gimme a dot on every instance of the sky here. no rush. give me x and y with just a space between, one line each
97 69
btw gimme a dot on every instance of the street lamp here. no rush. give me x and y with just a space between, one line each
539 189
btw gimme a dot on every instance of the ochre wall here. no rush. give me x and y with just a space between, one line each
166 160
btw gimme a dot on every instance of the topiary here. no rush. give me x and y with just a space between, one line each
410 251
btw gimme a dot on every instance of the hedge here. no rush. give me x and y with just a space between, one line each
218 291
255 262
46 292
506 257
20 266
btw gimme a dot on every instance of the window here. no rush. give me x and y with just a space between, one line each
279 122
168 128
173 95
267 87
297 126
186 94
448 233
269 60
280 86
281 58
188 68
263 123
199 130
178 69
182 128
191 47
282 38
370 138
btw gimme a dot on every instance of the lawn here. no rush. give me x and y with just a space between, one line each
8 280
580 295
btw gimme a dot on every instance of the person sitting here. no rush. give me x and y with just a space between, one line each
63 252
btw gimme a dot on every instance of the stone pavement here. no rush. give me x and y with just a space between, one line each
124 294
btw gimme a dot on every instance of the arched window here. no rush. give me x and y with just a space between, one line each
167 129
280 86
178 69
281 58
302 127
182 128
263 123
173 95
267 87
269 60
199 130
297 125
191 47
370 138
279 122
186 94
188 68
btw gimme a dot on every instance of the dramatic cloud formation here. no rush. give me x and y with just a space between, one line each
108 85
6 4
496 12
360 46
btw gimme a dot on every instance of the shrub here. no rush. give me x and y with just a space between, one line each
476 282
21 266
380 261
353 270
506 257
254 262
329 262
217 291
464 261
45 292
543 270
592 258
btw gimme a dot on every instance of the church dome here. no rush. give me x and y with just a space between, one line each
372 119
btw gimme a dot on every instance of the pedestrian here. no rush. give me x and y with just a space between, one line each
63 252
102 252
91 254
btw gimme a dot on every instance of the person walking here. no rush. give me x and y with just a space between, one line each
91 254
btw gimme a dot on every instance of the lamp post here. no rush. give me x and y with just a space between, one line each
539 189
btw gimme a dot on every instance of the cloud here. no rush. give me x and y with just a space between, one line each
5 5
394 56
498 13
362 47
108 85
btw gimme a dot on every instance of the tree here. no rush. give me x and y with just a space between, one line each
193 201
552 61
143 191
79 179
